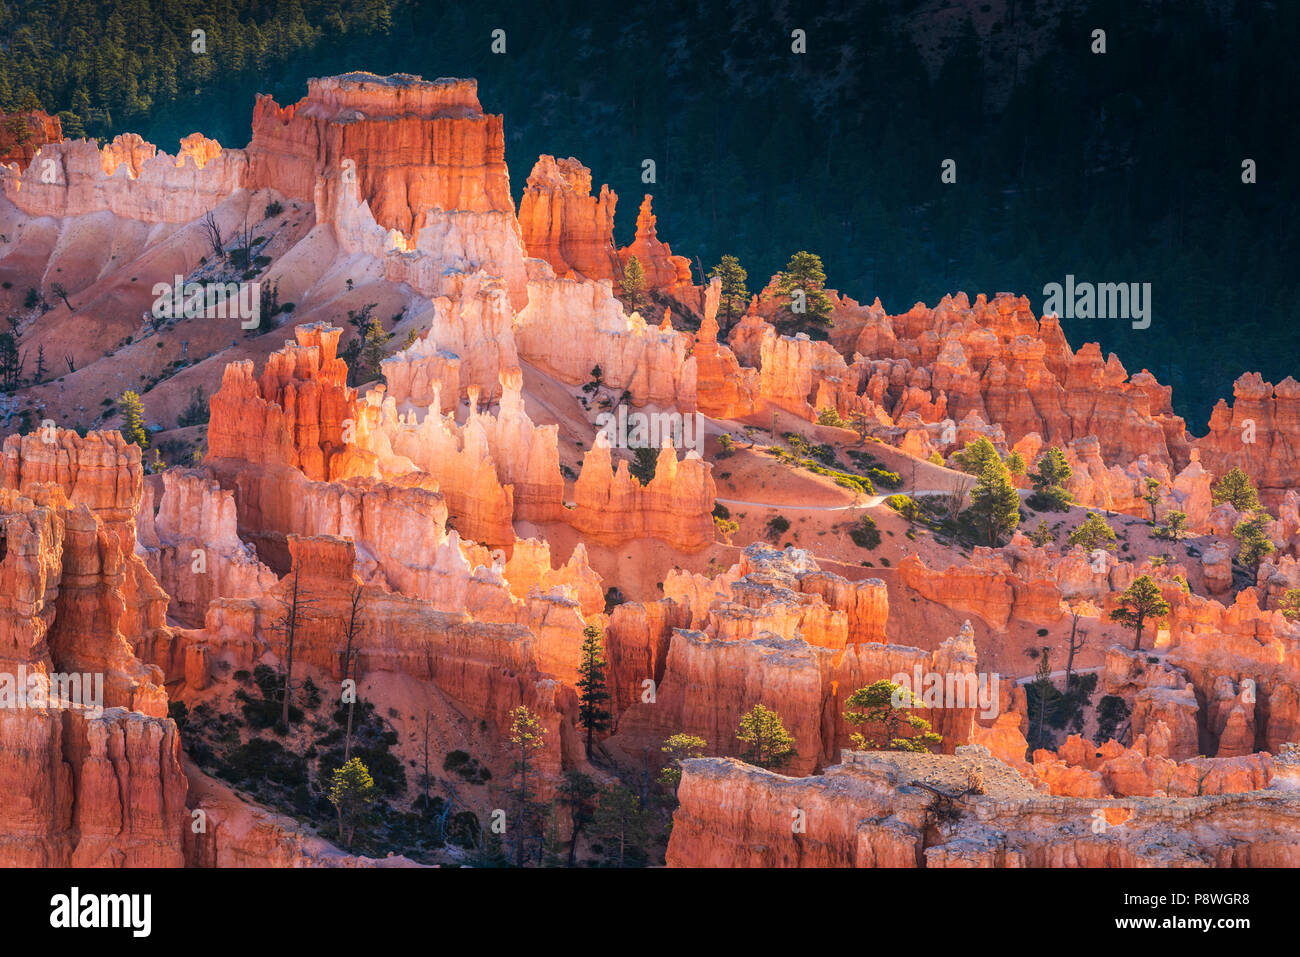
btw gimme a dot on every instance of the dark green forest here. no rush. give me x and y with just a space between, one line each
1115 167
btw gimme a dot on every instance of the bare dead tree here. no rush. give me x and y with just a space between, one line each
943 810
440 825
213 233
295 608
955 497
244 239
71 361
350 652
424 752
40 365
1078 639
59 290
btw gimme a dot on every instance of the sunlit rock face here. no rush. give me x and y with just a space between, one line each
413 145
564 224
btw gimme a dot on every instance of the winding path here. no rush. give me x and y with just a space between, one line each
871 502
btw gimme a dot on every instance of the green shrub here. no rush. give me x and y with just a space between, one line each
865 534
905 506
885 478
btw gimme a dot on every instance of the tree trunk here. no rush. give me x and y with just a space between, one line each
347 742
523 805
573 843
1069 661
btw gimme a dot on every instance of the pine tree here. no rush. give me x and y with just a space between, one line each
1289 604
976 456
351 792
881 711
593 716
1152 495
994 504
1175 526
633 284
678 748
768 744
1093 532
375 349
644 462
801 286
527 736
132 410
1042 534
578 793
735 295
620 820
1043 689
1140 602
1237 489
1048 480
1252 534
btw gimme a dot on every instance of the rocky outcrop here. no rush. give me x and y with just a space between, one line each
1081 769
564 224
127 177
414 145
493 470
1259 434
193 547
236 833
569 327
676 506
664 272
723 389
869 812
294 414
986 586
93 774
23 134
486 667
776 630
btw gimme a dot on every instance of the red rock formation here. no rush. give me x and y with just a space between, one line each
866 812
487 668
415 145
986 586
1259 434
564 224
239 834
723 389
23 134
493 469
777 631
194 548
569 326
664 272
294 414
128 178
1081 769
676 506
94 781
